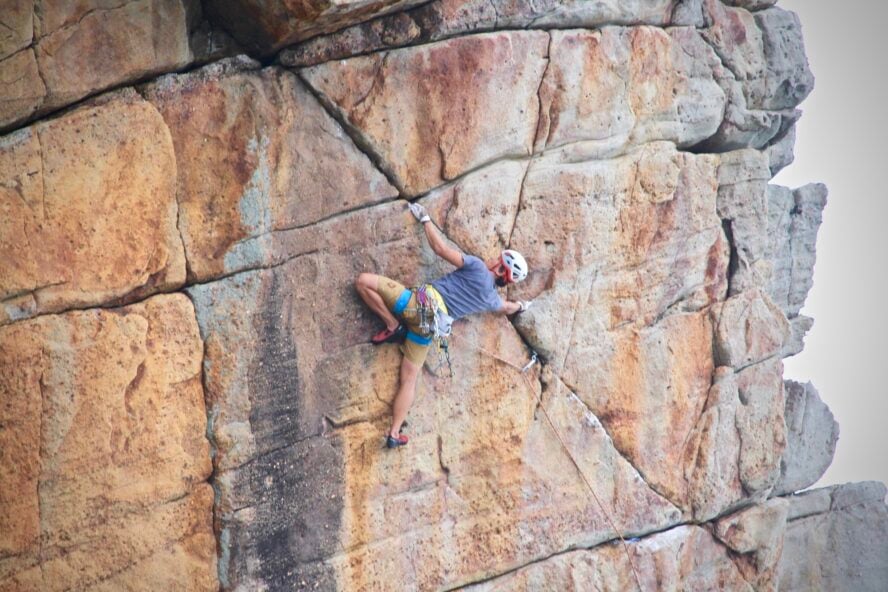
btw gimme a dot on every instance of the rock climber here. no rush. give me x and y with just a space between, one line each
471 288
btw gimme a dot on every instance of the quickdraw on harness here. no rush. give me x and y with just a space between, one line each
432 320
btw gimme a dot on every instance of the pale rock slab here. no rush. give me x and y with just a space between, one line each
788 80
765 52
89 210
761 424
684 558
442 19
265 26
781 151
749 328
756 536
434 112
619 241
812 434
813 501
286 360
751 4
139 38
765 73
743 177
800 326
648 386
503 498
108 421
794 217
255 153
733 453
618 87
737 39
841 547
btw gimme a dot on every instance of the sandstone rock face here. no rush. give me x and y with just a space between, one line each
838 543
222 427
793 220
755 535
435 112
812 434
332 429
765 72
624 87
78 48
442 19
89 210
255 153
684 558
103 416
657 86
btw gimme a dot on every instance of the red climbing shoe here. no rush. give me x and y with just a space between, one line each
396 335
401 440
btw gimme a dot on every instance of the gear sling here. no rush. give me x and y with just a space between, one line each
433 321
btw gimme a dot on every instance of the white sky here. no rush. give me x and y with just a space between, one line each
840 143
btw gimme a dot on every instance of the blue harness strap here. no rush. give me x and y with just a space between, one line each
401 302
416 338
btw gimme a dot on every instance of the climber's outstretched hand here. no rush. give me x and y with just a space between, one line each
419 212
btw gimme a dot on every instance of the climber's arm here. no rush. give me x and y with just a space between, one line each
441 248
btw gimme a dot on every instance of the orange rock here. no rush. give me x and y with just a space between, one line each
88 46
255 152
107 453
90 212
434 112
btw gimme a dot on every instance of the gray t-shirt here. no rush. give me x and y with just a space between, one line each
469 289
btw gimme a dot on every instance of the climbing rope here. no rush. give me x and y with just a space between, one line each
523 371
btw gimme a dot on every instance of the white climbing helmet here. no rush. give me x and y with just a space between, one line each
516 266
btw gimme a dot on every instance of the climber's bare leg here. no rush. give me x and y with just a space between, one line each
406 392
367 286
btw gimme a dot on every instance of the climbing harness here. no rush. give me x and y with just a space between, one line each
523 370
435 325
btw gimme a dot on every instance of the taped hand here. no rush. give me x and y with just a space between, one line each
419 212
524 305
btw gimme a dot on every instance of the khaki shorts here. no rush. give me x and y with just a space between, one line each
390 290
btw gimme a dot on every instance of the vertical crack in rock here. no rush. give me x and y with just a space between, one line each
548 58
38 134
445 470
175 160
518 213
733 260
357 138
44 361
222 550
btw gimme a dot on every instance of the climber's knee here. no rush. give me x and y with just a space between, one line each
366 281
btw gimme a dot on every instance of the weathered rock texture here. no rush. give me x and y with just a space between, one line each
89 203
812 434
221 427
104 459
836 539
55 52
